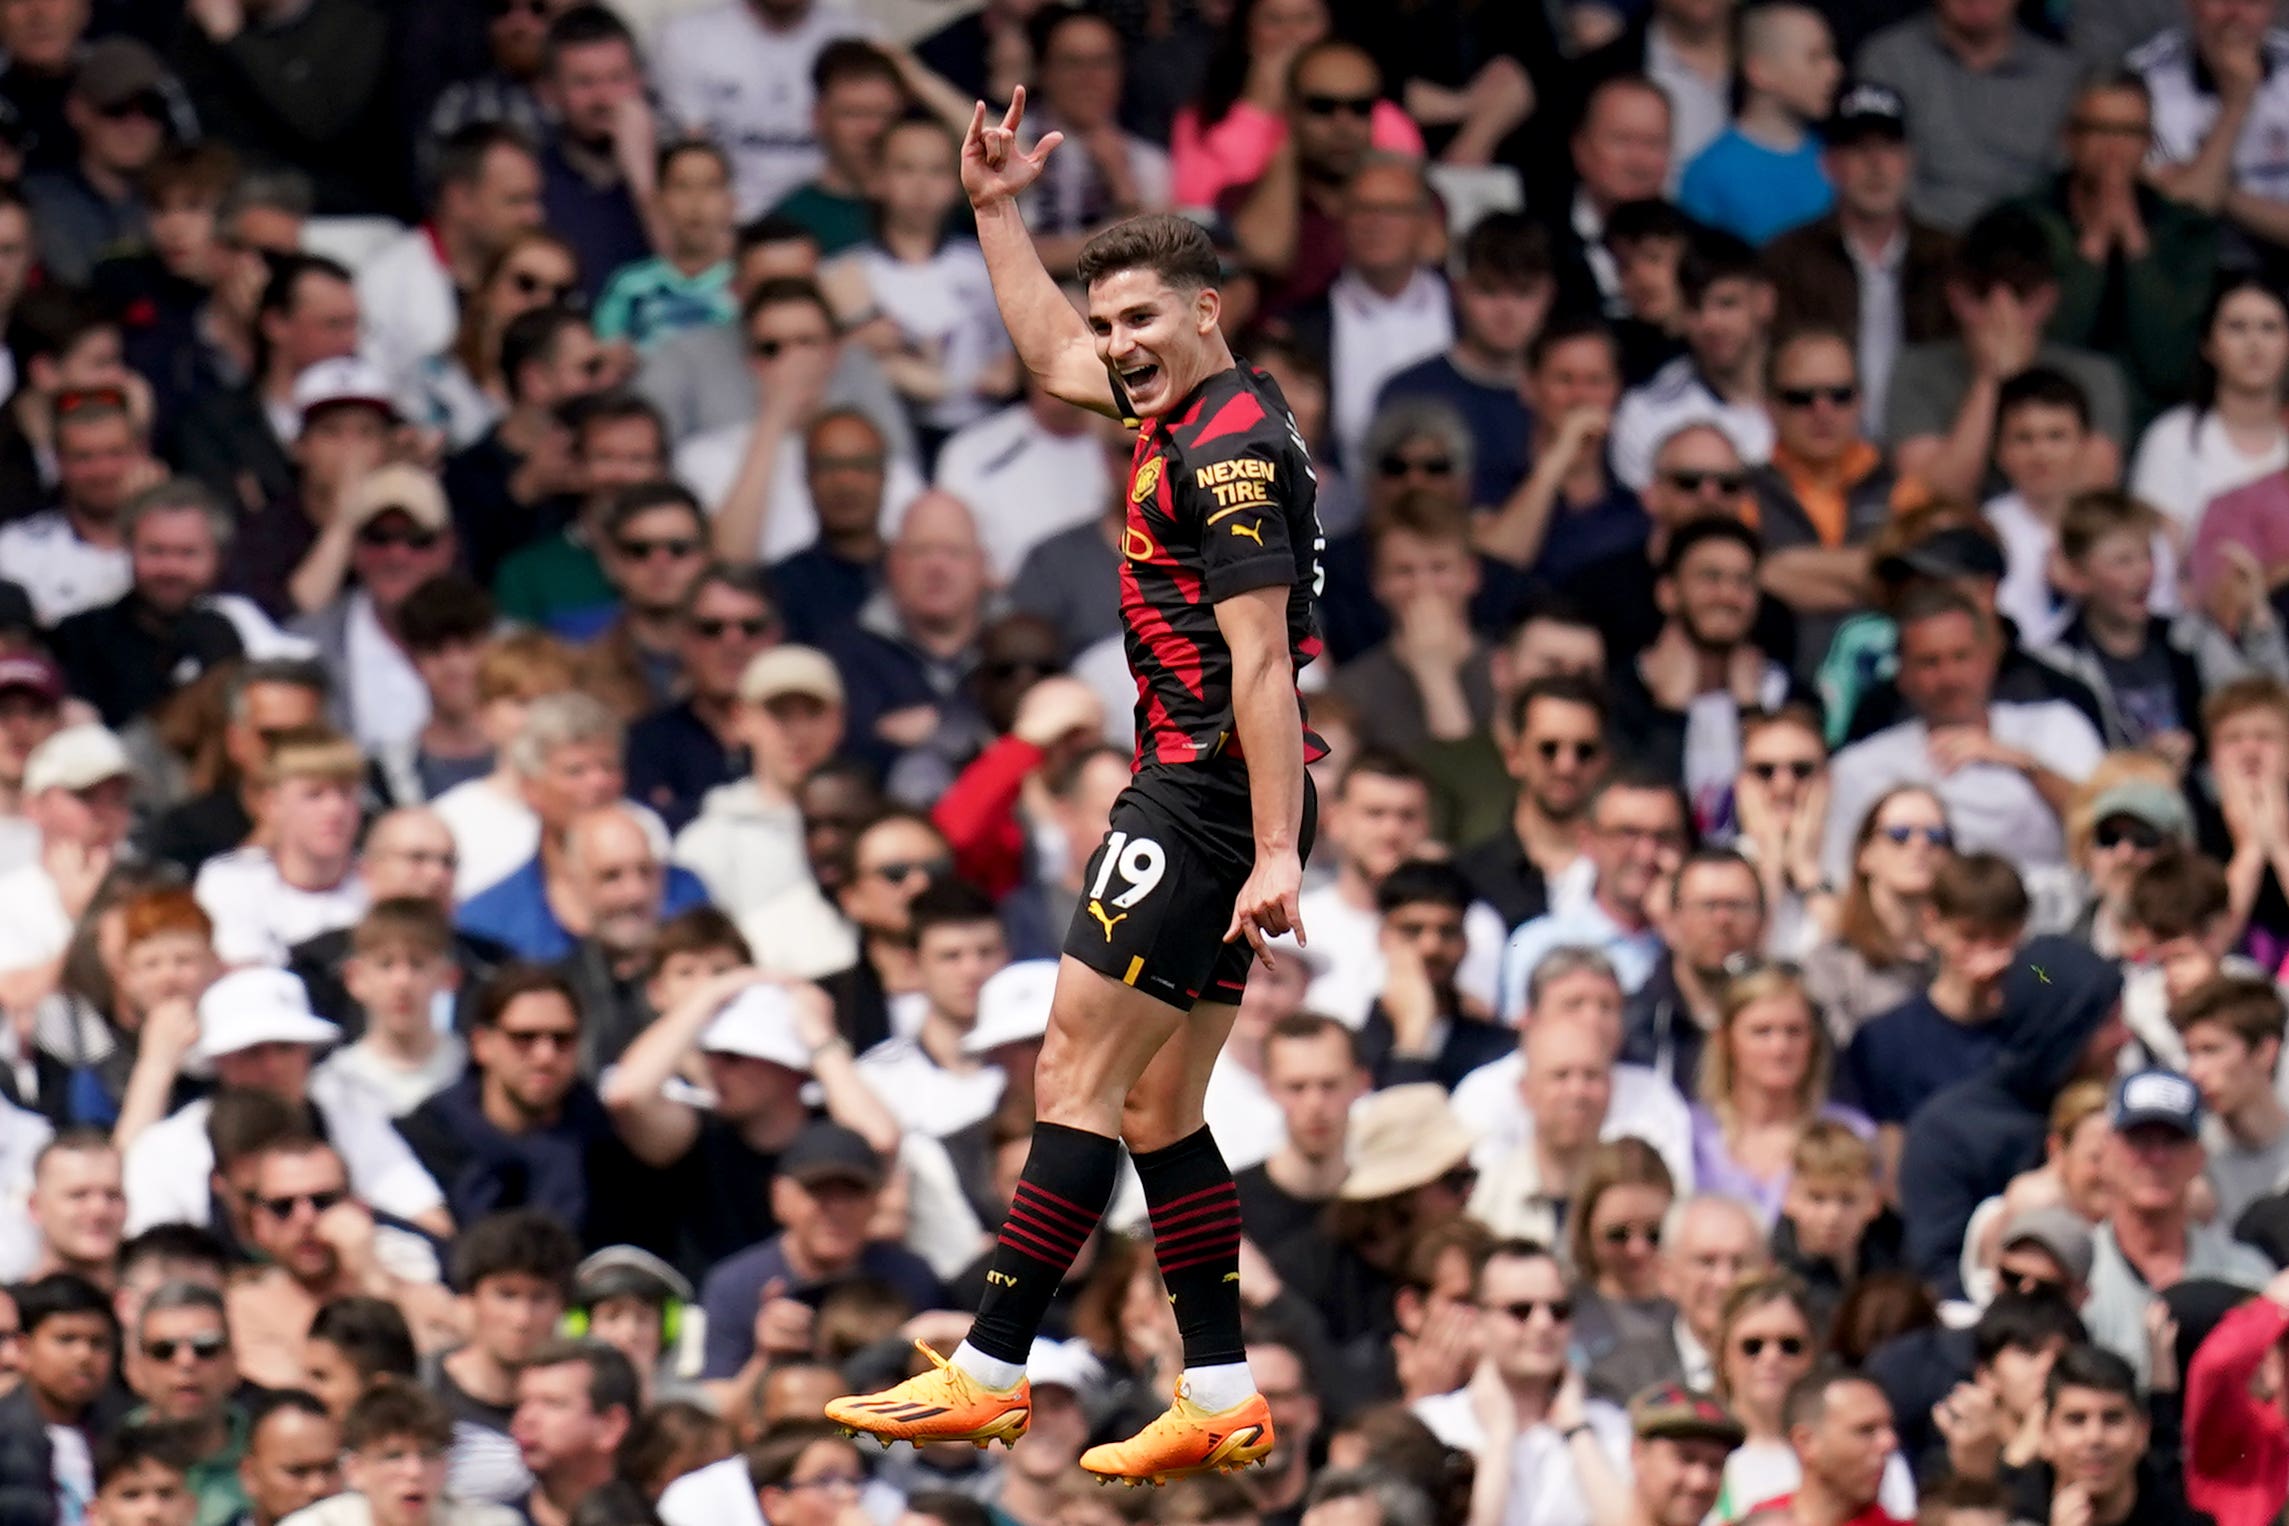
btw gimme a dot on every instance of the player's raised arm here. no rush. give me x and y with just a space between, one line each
1051 338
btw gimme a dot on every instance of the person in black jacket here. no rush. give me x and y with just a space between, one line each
2100 1445
71 1340
1417 1029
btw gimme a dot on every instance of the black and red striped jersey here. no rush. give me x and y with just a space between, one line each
1222 501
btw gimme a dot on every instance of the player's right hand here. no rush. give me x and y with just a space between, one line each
995 167
1269 904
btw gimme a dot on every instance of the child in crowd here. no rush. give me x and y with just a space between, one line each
2175 928
688 284
401 972
142 1478
1977 916
1995 1419
1834 1228
2232 1027
2110 551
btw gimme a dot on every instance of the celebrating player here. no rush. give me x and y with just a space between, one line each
1205 847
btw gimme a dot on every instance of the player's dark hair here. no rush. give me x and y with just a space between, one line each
1693 534
1421 882
1176 249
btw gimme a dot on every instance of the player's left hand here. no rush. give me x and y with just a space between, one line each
1269 904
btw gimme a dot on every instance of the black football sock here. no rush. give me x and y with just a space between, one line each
1067 1182
1196 1238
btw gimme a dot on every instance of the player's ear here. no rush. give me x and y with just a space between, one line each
1208 310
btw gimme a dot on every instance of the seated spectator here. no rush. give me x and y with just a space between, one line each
403 1457
443 624
76 1207
598 177
2233 1434
893 854
58 343
2174 931
487 191
1527 1313
73 555
822 588
1432 679
1836 272
32 691
140 1475
1683 1437
1418 1028
400 972
564 760
69 1341
2092 1394
2006 772
576 1400
125 657
753 471
186 299
1619 153
117 110
1079 67
603 865
1942 414
1833 1228
1714 927
1613 1242
499 89
1762 1080
2042 432
746 842
1638 830
631 1300
681 751
354 1342
2130 812
1840 1430
293 1456
1779 808
1567 1091
933 1082
857 97
1313 1072
558 581
299 879
2119 643
687 285
1568 512
263 697
465 392
1708 1245
339 419
824 1192
1721 380
2229 434
1049 483
1763 174
1994 1418
2232 1026
1556 755
1972 920
651 544
76 787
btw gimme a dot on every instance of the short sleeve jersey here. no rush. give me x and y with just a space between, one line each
1221 502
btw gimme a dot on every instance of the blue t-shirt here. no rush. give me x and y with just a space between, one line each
516 912
1743 187
1901 1058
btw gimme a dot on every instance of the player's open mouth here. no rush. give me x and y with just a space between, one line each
1140 378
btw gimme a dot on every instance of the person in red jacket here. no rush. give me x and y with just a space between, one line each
2237 1431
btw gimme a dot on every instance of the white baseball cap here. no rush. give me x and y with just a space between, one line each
76 758
759 1023
343 379
1064 1364
1013 1006
250 1007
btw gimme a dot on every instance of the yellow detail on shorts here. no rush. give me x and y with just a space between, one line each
1108 923
1136 968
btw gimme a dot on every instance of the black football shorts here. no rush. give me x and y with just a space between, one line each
1158 891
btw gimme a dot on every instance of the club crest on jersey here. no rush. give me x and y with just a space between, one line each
1148 478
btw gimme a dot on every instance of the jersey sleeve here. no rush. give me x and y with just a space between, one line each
1240 495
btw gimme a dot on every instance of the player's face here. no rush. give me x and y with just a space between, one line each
1153 337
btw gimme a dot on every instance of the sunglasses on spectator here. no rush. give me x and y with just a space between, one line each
1937 837
150 107
1805 397
768 348
530 285
2138 834
1798 769
382 538
283 1208
1429 466
1339 105
636 549
1622 1234
715 630
205 1347
1559 1309
1753 1346
1727 483
899 869
1552 748
526 1040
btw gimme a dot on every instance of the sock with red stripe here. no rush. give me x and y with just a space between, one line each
1196 1238
1061 1195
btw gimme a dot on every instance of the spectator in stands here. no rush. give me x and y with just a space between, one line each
515 36
73 556
1050 457
1312 1071
1286 221
565 759
576 1400
2098 1445
293 1456
1432 680
181 1366
512 671
2148 688
2232 1026
1569 511
1762 175
443 624
598 176
559 581
464 391
400 971
352 1343
1728 324
58 343
746 842
1942 415
1613 1240
1708 1245
77 1206
651 544
603 867
687 284
406 1461
618 890
32 691
1715 924
2227 435
488 190
76 787
1638 831
43 45
683 750
1567 1091
125 657
1116 174
1763 1080
2214 99
857 99
69 1341
264 698
1620 153
298 877
117 111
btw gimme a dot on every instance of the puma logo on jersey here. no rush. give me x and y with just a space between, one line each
1097 910
1000 1280
1254 532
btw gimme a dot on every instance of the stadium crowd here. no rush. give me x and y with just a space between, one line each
558 688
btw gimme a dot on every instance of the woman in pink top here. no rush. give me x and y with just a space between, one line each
1231 134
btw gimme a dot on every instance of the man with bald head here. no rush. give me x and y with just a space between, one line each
615 883
846 465
908 660
1762 175
1620 154
408 852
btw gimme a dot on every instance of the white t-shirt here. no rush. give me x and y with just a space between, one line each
1490 1104
34 927
2025 594
1671 398
722 74
494 834
168 1165
409 306
258 917
1991 808
394 1088
943 307
1372 338
924 1096
23 1134
389 704
709 463
61 573
1350 940
2185 108
1544 1490
2181 465
1023 484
